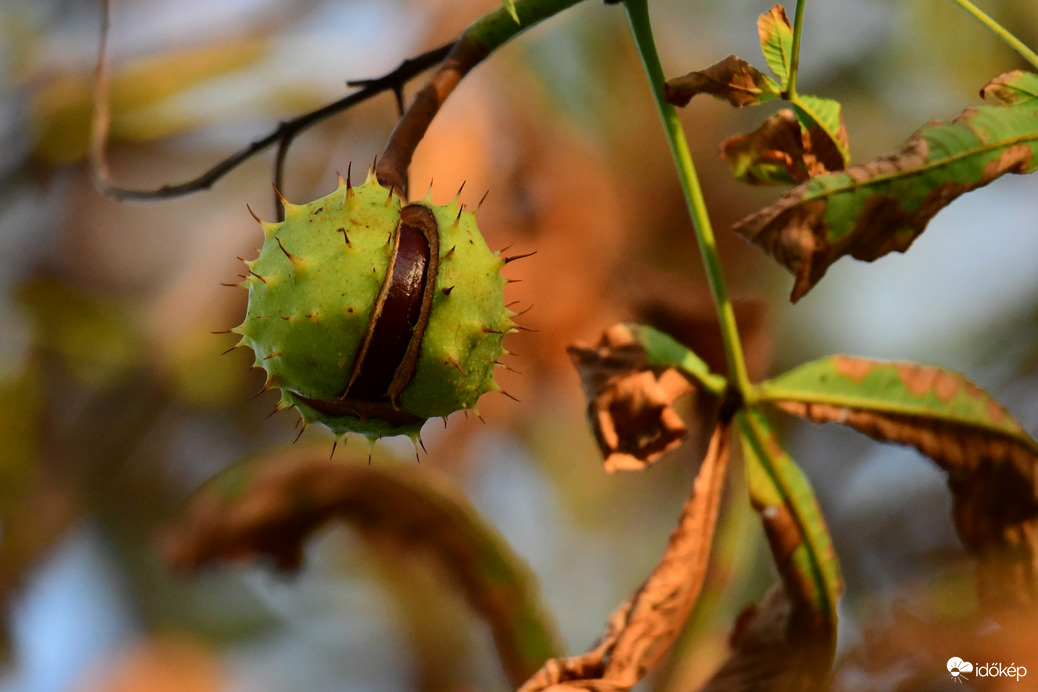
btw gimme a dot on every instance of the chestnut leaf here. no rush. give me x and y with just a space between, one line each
991 461
1016 88
776 42
871 209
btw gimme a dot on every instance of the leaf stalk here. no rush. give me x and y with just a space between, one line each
794 65
641 30
1000 31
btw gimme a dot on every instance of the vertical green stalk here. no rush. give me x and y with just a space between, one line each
641 29
1000 31
794 65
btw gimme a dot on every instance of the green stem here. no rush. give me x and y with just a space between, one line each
798 21
641 29
1000 31
495 28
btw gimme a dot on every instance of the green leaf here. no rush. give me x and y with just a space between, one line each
776 42
663 350
825 114
869 210
792 519
510 6
1016 88
991 461
732 79
937 411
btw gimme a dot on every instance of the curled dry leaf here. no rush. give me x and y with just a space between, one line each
771 154
732 79
270 505
823 117
644 626
631 404
780 152
991 461
869 210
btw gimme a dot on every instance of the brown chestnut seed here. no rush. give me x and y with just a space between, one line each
389 352
396 321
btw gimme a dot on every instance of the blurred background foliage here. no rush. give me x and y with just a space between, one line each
115 402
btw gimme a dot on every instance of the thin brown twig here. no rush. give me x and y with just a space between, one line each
285 131
398 92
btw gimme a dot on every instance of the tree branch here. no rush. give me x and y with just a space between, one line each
283 133
479 40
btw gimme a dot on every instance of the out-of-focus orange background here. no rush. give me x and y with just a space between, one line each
115 402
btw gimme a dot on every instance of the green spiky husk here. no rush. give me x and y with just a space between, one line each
313 290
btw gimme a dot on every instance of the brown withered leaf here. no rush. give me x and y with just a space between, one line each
821 152
630 404
732 79
644 626
780 151
771 154
267 507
